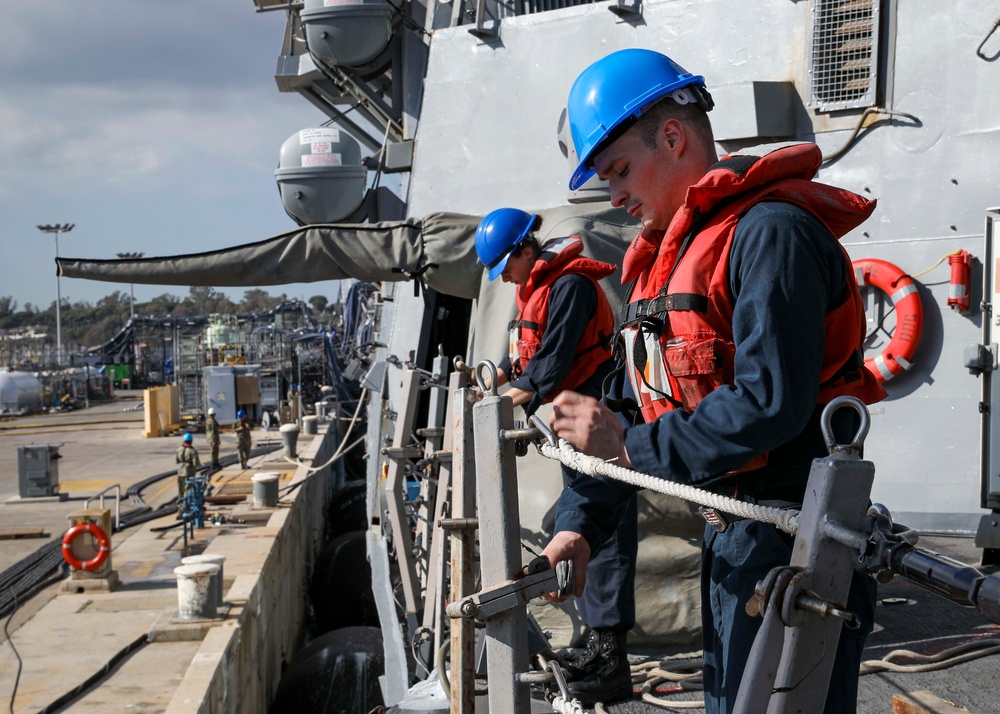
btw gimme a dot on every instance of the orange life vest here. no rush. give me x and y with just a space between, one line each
681 304
558 258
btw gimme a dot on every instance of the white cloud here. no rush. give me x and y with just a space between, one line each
140 140
154 126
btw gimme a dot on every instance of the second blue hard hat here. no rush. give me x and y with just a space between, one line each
240 414
188 438
498 234
615 88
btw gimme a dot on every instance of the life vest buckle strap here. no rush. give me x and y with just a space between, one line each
681 301
526 324
636 311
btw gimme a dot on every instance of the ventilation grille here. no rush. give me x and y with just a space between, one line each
844 61
513 8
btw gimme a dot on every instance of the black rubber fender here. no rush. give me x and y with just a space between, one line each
341 586
337 673
347 510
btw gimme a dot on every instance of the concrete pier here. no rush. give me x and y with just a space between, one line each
232 664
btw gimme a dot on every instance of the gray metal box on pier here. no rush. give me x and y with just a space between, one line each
38 470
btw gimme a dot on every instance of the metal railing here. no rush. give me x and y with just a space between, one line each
118 503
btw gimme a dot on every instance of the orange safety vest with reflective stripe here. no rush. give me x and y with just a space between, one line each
677 329
558 258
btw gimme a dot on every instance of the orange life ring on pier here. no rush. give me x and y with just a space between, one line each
900 287
103 546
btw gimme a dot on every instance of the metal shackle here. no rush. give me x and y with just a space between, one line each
854 448
492 369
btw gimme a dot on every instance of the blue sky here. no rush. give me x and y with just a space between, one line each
153 126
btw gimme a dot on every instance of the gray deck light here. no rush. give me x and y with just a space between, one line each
320 175
348 33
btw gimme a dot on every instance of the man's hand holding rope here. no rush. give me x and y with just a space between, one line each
590 427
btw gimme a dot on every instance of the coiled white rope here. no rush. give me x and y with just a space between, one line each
965 652
785 519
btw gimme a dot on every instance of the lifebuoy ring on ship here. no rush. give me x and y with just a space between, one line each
103 546
900 287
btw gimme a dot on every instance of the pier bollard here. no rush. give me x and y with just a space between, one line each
310 425
217 579
265 490
320 408
289 437
196 599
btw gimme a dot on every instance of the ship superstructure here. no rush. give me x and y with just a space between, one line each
456 108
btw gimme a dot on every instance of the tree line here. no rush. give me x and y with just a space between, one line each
89 324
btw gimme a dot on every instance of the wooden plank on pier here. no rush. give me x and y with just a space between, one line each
923 702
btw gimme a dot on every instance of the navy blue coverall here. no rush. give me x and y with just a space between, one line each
608 601
786 272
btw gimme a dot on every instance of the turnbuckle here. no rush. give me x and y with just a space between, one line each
539 578
787 588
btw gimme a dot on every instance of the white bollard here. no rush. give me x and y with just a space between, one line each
289 436
310 425
195 595
217 579
265 490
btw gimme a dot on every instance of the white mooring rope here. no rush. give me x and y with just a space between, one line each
786 520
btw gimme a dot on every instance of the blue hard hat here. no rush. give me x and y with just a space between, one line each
499 234
616 88
188 438
240 414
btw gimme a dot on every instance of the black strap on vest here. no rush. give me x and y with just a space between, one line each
623 405
645 316
528 324
603 342
850 371
636 311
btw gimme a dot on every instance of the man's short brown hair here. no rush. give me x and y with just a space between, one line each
691 115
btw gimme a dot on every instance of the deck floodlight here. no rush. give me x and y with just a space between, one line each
349 33
131 287
320 175
56 230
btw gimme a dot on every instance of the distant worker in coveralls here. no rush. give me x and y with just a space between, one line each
212 436
744 320
561 340
242 428
187 464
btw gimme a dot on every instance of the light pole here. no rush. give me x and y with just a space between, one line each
131 286
57 229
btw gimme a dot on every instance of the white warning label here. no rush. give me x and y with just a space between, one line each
319 134
322 160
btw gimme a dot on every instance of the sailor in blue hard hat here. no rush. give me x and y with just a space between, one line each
608 99
187 463
502 233
560 340
242 428
744 321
